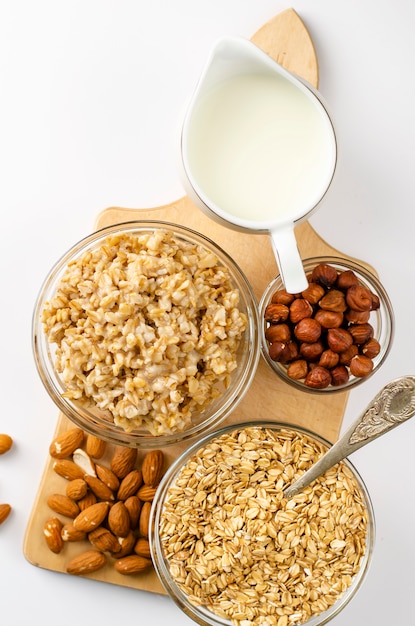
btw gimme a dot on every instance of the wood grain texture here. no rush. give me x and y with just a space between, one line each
285 38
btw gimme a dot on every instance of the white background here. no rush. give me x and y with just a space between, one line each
91 93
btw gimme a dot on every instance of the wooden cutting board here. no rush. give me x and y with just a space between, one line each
286 39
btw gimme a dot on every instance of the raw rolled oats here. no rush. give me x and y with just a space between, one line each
235 545
146 327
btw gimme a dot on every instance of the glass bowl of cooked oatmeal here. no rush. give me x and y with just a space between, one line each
146 334
231 549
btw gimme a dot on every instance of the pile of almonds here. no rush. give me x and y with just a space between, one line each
104 506
323 335
6 443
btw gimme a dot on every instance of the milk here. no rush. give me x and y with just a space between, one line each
260 148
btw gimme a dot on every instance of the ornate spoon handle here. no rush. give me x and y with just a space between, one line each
393 405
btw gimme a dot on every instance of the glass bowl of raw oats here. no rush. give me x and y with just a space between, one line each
146 334
232 550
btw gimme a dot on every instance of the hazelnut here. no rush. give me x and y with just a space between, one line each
312 351
346 279
329 319
283 352
361 333
361 365
339 375
298 369
292 350
359 298
282 297
278 332
275 313
308 330
346 356
277 351
334 300
324 274
357 317
371 348
339 339
318 378
329 359
375 302
300 309
313 293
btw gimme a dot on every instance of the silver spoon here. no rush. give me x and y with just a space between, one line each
393 405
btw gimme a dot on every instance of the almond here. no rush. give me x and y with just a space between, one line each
119 519
87 562
123 461
6 443
87 501
107 476
70 533
127 544
142 547
52 531
67 469
4 512
99 488
95 447
132 564
76 489
91 517
65 443
152 467
63 505
130 484
84 461
103 539
144 522
133 504
146 493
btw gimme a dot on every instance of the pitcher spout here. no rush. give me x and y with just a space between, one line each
232 56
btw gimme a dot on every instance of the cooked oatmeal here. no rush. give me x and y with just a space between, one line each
145 327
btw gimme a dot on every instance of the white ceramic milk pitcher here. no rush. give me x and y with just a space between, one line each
258 149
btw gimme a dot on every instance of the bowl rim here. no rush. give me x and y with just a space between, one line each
203 616
86 420
386 323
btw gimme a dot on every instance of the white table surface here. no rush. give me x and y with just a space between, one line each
91 94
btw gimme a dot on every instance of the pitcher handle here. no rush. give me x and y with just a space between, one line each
284 245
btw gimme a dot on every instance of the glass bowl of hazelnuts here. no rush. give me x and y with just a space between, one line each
333 335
